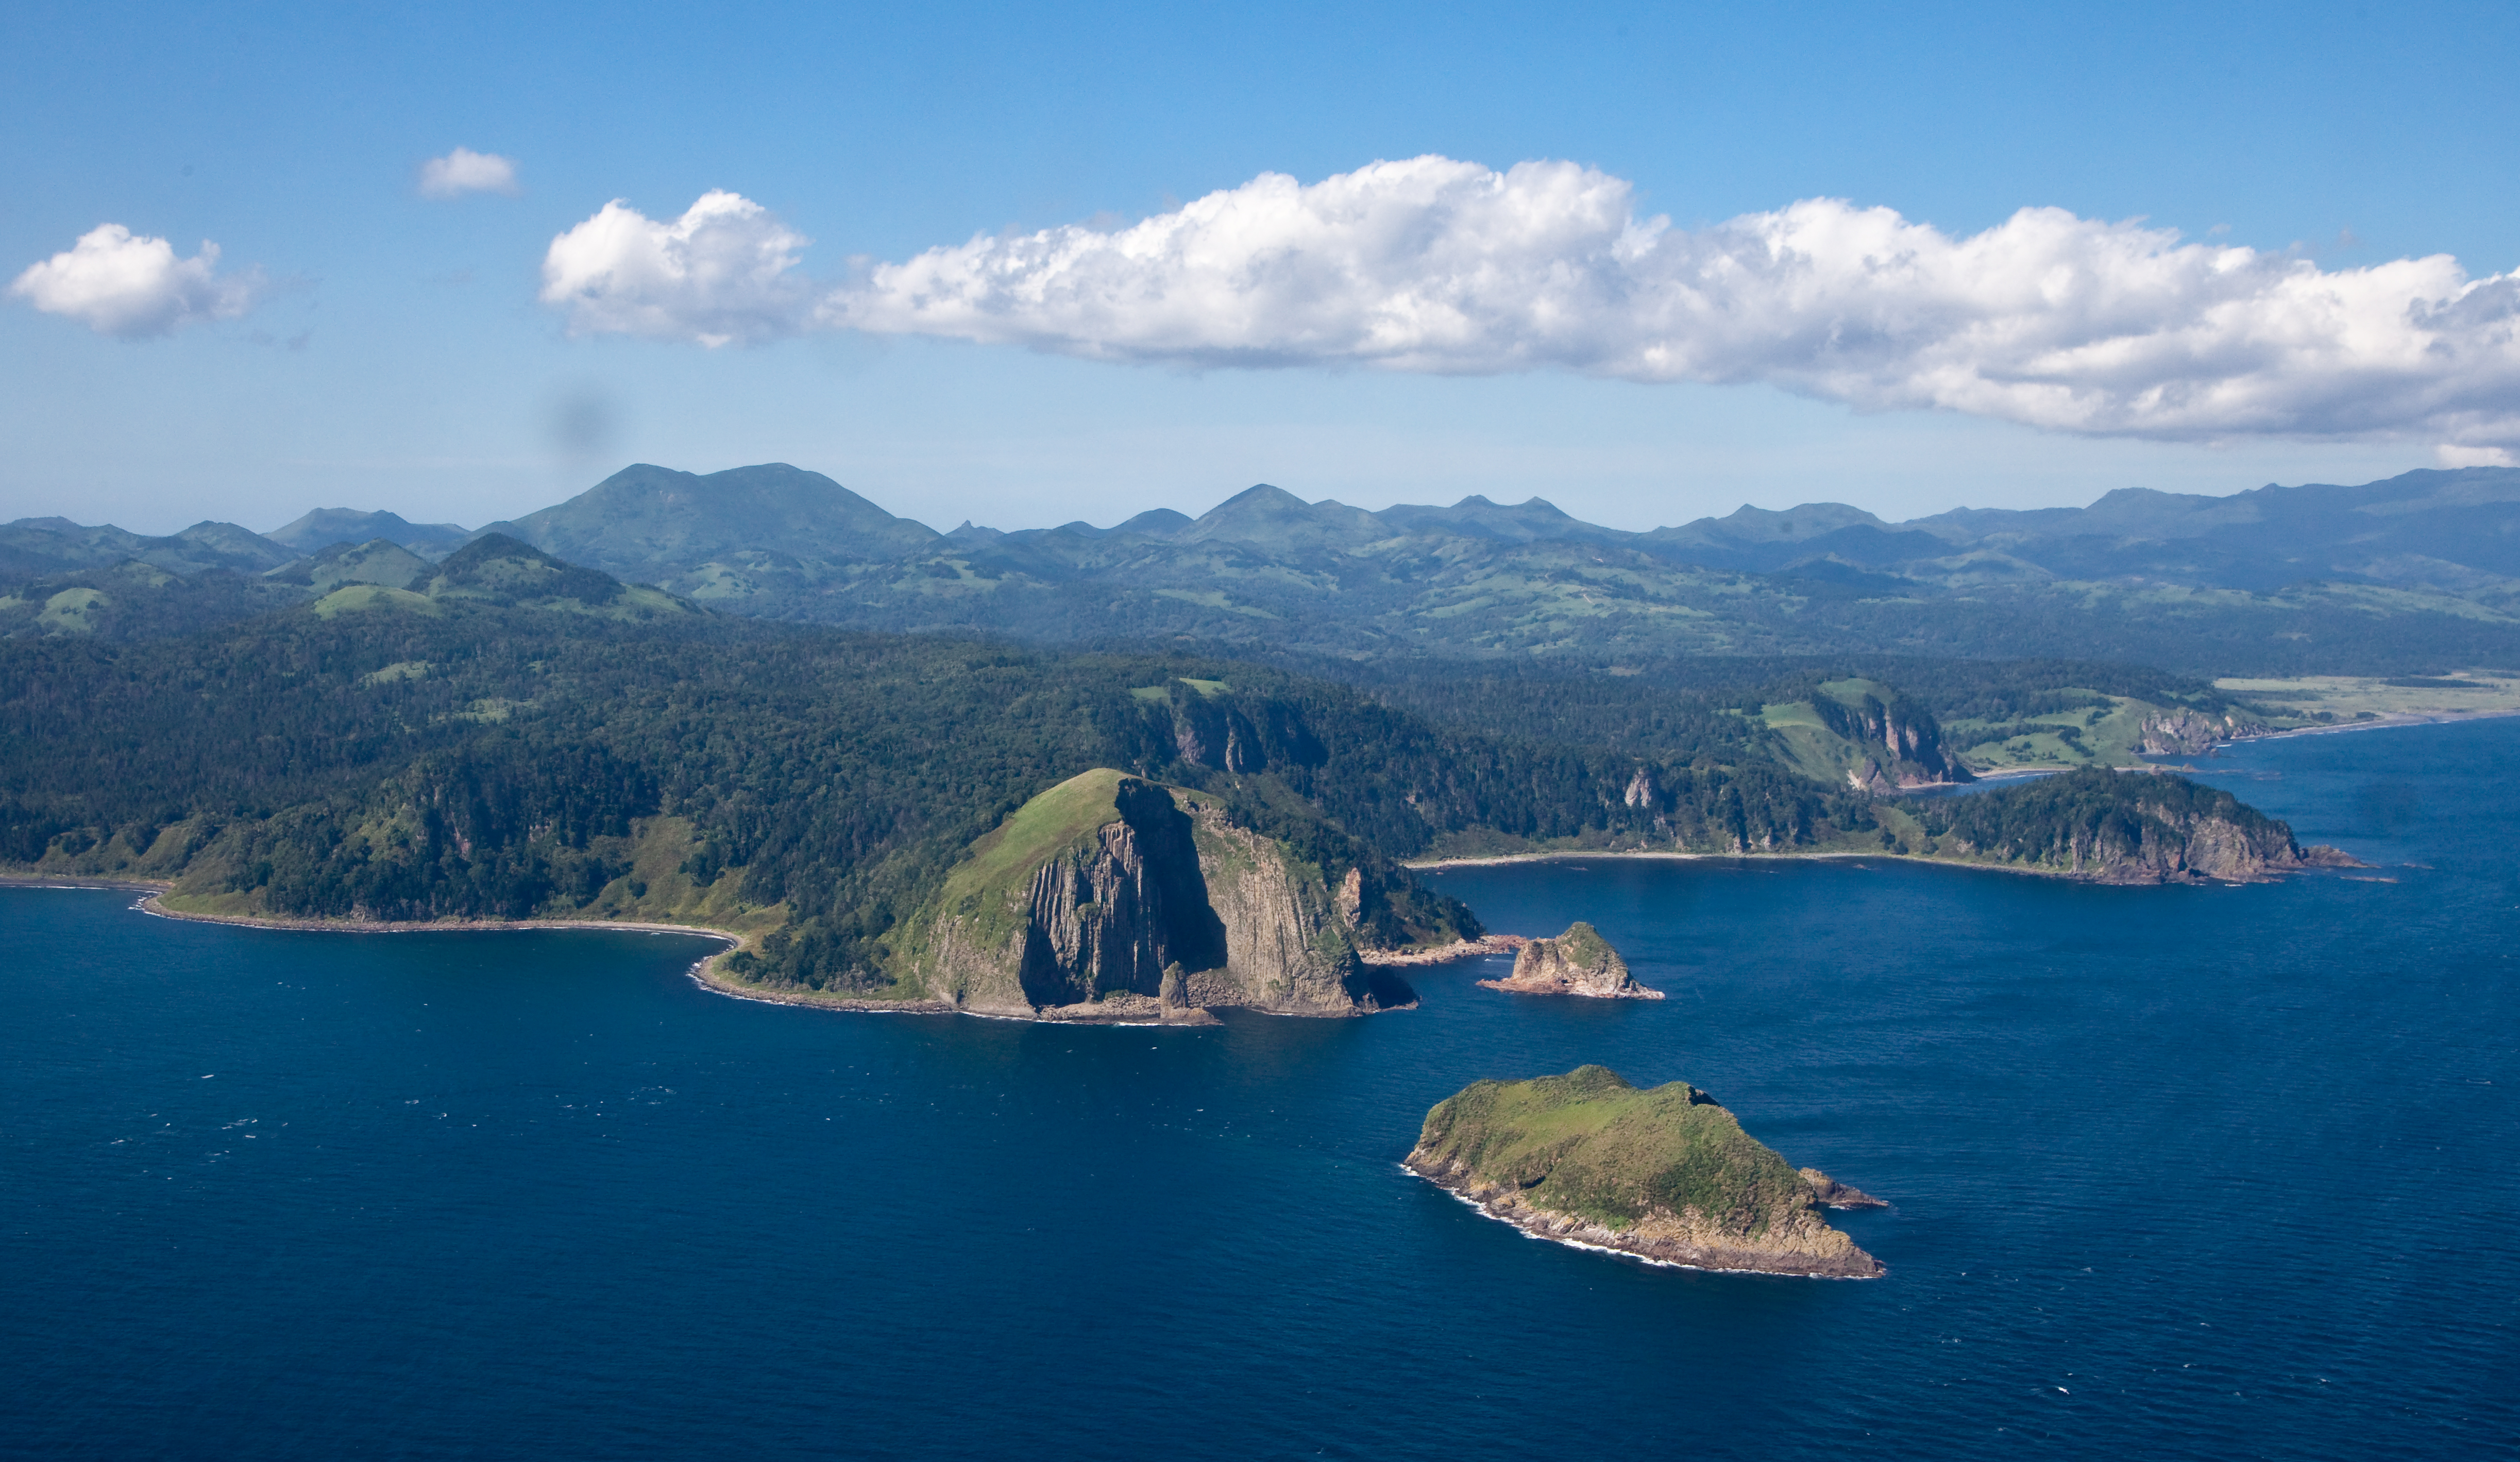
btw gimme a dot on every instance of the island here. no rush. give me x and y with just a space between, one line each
1578 962
1664 1175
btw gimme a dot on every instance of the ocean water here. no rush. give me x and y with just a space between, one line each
2212 1173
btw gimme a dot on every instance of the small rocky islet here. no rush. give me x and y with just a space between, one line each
1578 962
1662 1173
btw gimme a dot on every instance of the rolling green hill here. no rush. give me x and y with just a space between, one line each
2411 575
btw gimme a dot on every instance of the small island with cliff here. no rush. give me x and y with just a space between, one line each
1578 962
1662 1174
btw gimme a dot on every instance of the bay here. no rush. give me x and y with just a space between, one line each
2177 1173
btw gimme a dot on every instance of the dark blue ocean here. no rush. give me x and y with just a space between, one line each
2214 1172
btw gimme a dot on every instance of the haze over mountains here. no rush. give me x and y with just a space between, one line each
2275 577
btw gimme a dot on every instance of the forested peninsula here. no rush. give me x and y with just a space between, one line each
513 737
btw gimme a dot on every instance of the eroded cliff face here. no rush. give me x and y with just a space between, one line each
2191 733
1288 947
1904 738
1578 962
1164 909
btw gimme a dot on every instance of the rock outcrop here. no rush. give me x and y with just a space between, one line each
2123 828
1578 962
1113 899
1903 742
1664 1175
2192 733
1828 1192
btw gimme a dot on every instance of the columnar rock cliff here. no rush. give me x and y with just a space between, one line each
1903 738
1578 962
1664 1175
1109 897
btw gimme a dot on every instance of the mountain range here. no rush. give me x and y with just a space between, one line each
2279 578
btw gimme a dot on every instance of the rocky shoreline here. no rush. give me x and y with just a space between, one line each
1445 953
2318 857
1579 963
1664 1175
1681 1241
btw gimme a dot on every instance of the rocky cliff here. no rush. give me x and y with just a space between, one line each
1828 1192
1110 897
1665 1175
1578 962
2122 828
2191 733
1902 740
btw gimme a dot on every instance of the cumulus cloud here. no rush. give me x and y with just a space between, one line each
465 171
724 271
1437 265
132 286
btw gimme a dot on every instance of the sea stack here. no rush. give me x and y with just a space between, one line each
1578 962
1665 1175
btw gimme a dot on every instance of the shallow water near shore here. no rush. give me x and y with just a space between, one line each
2189 1172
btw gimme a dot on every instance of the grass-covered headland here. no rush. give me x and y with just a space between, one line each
1664 1173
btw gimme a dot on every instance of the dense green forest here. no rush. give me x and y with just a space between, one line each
2091 815
494 762
517 737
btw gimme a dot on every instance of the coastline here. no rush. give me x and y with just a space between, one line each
703 973
2386 721
1495 943
1510 1208
1930 860
2393 721
1497 860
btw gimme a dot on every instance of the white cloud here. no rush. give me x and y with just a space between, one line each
465 171
131 286
724 271
2474 456
1435 265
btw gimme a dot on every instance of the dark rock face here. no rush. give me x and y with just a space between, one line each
1578 962
1113 918
1910 742
1828 1192
1165 908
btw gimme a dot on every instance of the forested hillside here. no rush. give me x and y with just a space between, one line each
472 759
515 737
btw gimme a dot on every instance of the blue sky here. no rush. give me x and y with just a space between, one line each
358 344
